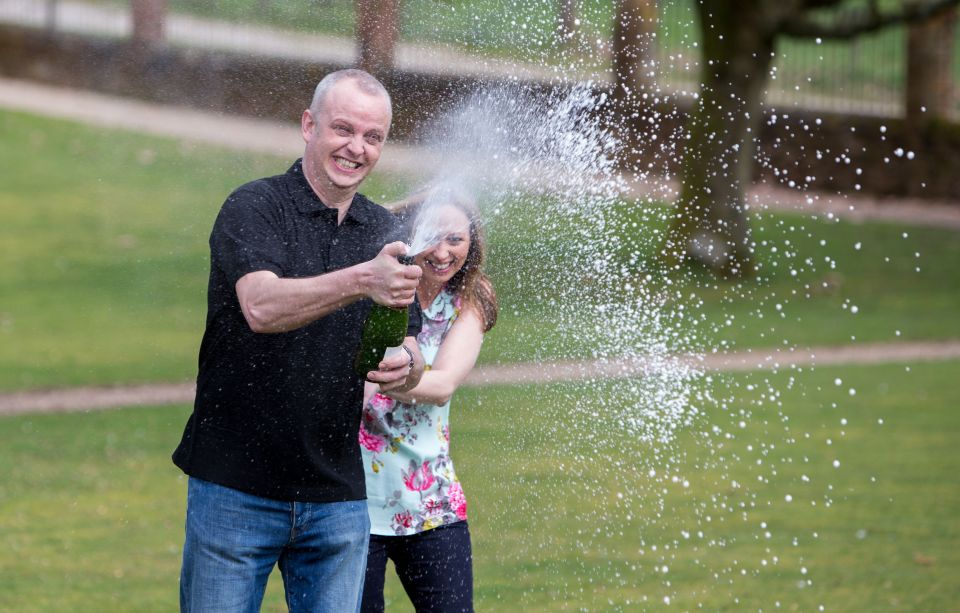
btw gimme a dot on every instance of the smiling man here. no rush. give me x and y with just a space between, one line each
344 128
275 475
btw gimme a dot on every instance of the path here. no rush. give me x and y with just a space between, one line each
283 139
198 127
182 30
93 398
197 32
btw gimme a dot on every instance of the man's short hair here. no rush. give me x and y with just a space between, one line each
366 82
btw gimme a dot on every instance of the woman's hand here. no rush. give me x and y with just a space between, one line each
400 371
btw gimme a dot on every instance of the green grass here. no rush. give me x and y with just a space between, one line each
819 282
877 532
91 509
103 245
103 237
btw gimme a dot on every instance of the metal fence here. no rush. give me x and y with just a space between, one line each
862 76
865 75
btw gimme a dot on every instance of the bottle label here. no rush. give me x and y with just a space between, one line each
392 351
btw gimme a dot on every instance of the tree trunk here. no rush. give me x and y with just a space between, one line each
634 29
51 16
149 19
568 20
568 15
378 31
929 69
710 224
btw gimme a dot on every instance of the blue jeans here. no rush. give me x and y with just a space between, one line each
233 540
434 566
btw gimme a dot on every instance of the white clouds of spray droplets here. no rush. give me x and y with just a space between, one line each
548 159
517 150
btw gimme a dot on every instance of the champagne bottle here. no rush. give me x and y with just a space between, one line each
384 328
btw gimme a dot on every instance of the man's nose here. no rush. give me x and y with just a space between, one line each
355 145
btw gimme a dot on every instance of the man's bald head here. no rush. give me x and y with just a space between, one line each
365 82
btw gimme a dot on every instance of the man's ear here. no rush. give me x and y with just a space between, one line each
307 125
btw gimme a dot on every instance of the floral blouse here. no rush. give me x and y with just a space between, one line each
411 485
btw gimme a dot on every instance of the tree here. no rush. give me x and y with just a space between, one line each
568 17
149 19
738 40
930 68
633 37
378 30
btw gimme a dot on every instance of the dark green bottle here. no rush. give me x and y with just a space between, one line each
385 327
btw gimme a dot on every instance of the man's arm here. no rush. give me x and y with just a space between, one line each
272 304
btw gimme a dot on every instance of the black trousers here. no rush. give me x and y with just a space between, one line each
435 568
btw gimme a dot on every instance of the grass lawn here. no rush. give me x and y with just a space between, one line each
833 487
820 282
564 510
103 246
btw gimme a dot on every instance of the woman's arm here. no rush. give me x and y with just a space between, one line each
455 359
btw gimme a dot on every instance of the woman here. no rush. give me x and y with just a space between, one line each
418 512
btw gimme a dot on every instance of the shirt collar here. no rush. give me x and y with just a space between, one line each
443 306
308 203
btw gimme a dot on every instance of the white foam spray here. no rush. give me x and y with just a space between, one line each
549 154
545 164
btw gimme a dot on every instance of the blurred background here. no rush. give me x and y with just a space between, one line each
787 206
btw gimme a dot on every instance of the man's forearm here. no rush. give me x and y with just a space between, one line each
271 304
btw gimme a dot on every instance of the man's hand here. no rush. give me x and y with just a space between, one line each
387 281
395 372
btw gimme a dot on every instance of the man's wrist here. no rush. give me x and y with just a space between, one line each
362 279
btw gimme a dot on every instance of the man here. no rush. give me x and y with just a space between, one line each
271 447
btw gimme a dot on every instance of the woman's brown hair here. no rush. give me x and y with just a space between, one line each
470 282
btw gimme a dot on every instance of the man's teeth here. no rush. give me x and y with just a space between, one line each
348 163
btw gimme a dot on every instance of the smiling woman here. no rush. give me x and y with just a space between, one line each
418 509
445 257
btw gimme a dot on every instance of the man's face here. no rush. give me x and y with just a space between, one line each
344 139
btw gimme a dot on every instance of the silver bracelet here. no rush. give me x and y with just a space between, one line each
409 353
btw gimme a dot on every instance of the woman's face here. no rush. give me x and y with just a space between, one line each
443 260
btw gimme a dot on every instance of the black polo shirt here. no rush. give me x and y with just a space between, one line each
277 415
